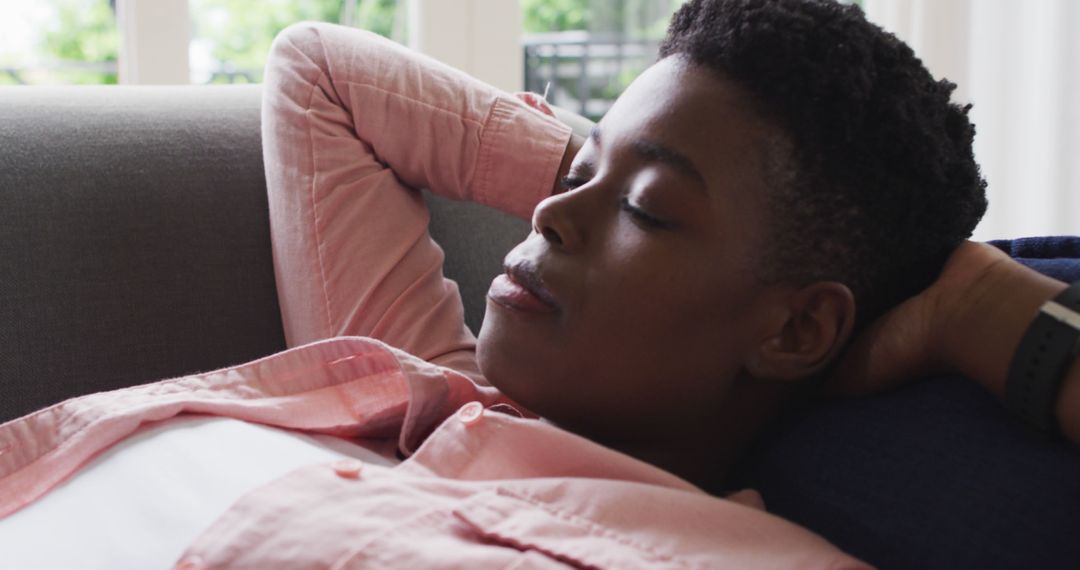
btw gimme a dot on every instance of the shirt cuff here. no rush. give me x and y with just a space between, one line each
521 149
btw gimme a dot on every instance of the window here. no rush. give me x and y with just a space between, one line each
590 50
58 41
79 41
231 38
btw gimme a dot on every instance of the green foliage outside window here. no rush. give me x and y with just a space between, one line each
587 71
97 39
80 31
235 34
644 18
539 16
239 32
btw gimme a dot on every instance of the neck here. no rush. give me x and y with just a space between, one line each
706 451
702 463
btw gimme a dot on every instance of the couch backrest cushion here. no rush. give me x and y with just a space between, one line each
135 242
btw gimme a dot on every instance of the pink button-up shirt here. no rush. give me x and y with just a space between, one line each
485 488
483 485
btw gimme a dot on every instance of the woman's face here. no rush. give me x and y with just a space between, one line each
647 266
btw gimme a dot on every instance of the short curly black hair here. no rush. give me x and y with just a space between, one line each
879 182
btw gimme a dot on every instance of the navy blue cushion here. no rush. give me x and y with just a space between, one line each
935 474
1058 256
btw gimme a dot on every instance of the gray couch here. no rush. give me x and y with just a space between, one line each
134 246
136 243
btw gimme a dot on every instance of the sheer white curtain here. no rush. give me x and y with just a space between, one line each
1019 64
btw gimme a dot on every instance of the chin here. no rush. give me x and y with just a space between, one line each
497 357
515 367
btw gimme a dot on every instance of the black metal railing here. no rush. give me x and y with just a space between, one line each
586 71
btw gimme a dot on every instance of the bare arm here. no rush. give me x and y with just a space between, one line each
984 333
969 321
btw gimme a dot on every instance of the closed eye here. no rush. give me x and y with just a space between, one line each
641 216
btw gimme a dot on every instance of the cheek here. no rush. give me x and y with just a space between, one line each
668 309
648 362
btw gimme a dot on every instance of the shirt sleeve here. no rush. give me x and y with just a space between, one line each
439 128
520 153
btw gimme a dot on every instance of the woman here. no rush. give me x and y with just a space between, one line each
652 277
697 264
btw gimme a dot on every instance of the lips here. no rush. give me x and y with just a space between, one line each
521 288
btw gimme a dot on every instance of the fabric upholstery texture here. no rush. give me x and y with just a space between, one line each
135 242
473 257
133 238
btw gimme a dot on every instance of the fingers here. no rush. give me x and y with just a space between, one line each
907 343
890 351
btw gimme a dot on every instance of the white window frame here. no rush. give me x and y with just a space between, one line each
155 36
480 37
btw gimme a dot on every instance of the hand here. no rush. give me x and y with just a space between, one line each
572 146
913 339
970 321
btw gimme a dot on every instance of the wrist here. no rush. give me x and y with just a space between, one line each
1067 409
1041 363
985 324
986 327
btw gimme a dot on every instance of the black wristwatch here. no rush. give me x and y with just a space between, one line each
1043 358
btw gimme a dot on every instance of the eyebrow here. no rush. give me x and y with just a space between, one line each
656 152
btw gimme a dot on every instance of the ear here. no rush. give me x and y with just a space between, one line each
806 329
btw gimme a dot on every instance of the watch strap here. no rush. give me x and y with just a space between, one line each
1042 359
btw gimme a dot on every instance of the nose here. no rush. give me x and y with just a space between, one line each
554 219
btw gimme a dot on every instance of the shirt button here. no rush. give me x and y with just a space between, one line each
348 468
471 413
190 563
